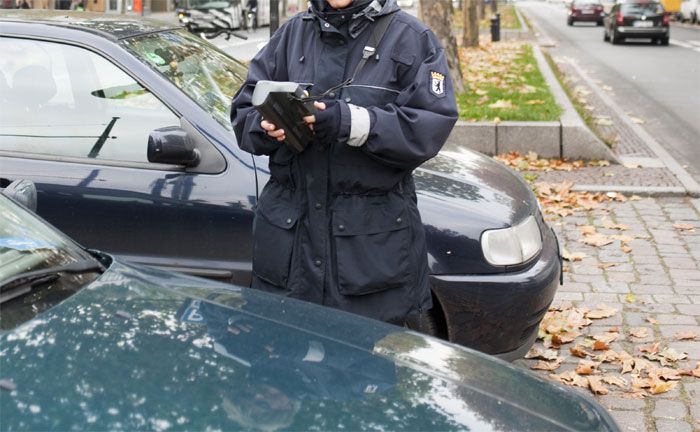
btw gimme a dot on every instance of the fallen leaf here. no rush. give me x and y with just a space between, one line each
627 365
597 240
535 102
564 338
665 373
639 332
606 337
502 104
578 351
587 229
572 257
614 380
630 298
597 386
600 346
672 355
586 367
626 249
608 356
537 353
652 320
684 227
652 348
602 311
685 335
546 365
610 225
662 387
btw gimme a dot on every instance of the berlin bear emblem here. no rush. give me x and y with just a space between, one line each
437 83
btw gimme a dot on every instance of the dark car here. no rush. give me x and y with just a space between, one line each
123 125
585 11
91 343
636 19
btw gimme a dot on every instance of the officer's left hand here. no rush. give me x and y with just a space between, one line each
326 122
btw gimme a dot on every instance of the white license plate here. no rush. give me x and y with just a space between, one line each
643 24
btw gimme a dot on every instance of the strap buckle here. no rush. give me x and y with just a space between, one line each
367 52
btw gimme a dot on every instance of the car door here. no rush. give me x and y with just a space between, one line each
78 126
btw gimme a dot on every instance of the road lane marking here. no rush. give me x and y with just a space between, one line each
684 44
680 44
695 42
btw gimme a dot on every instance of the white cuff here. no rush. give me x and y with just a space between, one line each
359 125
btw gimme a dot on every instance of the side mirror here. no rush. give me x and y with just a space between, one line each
23 192
171 145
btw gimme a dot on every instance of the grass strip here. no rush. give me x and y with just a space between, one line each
504 83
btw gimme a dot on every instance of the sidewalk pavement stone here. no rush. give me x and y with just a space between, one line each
629 421
663 278
672 425
669 410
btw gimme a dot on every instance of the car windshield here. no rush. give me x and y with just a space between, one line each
200 70
28 244
640 8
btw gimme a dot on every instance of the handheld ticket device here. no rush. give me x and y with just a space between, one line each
285 104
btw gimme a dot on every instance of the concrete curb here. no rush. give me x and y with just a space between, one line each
669 191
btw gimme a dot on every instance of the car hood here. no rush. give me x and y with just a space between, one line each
144 349
460 195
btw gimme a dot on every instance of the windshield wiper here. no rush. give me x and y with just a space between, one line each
24 282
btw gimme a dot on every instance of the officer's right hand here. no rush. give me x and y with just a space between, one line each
272 130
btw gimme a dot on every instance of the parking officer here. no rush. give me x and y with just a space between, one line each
338 224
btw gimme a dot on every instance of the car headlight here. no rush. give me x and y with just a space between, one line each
514 245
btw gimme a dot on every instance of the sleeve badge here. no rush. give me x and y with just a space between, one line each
437 83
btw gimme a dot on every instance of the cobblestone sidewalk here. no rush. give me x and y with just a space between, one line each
661 276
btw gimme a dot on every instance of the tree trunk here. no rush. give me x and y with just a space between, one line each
470 35
437 14
481 8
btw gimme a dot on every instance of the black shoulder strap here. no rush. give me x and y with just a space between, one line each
380 27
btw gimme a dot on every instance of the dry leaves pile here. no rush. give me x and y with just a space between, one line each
649 370
558 198
532 162
495 64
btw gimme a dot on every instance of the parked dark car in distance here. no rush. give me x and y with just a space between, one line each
585 11
494 262
635 19
92 343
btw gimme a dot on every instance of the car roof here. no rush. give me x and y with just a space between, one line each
112 27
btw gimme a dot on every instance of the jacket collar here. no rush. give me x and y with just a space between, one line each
360 20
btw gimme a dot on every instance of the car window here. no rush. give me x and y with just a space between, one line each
27 244
586 2
202 72
61 100
639 8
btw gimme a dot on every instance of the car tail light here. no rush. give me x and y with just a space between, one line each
665 19
619 19
514 245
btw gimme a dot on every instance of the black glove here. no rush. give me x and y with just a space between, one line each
327 126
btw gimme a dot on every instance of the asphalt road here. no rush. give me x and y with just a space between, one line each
659 84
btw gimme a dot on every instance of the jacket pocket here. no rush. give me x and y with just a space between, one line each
371 249
274 231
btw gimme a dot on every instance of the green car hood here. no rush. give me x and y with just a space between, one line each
140 348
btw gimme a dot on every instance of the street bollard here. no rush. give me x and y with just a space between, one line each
496 27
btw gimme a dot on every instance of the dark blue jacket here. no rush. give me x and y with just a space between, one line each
338 223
